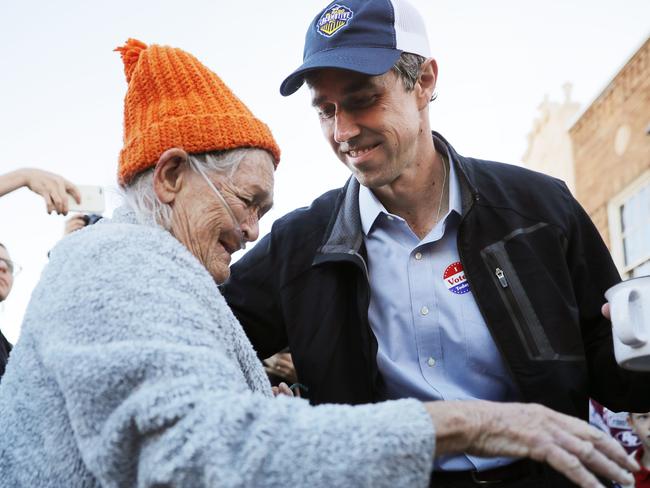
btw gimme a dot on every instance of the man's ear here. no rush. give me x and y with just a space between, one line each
168 177
426 84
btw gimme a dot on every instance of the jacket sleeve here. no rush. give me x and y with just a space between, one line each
593 272
253 294
162 412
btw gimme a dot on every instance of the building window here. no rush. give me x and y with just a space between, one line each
629 225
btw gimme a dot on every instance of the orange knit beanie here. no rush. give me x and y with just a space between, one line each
175 101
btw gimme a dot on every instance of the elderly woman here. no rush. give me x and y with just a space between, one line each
132 371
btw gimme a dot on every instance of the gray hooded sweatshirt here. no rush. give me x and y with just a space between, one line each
132 371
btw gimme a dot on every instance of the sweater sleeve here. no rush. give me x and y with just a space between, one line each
150 413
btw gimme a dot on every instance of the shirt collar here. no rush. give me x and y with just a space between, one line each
370 207
455 200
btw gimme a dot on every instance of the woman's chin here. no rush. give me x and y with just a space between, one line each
220 271
218 265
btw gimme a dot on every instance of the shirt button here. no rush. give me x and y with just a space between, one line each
431 362
424 310
418 255
389 217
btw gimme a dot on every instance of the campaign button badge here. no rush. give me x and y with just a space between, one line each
454 278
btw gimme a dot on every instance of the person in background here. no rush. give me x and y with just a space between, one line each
281 367
282 373
79 221
55 191
640 423
7 270
429 275
53 188
131 370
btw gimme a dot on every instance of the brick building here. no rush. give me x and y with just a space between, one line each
549 145
603 154
611 158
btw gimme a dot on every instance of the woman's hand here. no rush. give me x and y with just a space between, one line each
569 445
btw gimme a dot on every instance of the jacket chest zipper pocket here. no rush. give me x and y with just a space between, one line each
517 304
515 312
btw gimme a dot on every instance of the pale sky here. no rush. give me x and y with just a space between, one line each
62 88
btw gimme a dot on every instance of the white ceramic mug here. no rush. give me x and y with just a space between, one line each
629 303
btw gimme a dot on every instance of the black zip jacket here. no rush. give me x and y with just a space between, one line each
5 349
535 263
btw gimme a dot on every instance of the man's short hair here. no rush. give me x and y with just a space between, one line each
407 68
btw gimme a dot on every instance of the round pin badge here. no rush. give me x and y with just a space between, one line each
454 278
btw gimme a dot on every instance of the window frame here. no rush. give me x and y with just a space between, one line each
615 224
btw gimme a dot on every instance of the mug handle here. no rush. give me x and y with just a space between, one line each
624 328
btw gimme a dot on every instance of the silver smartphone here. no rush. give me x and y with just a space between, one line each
92 200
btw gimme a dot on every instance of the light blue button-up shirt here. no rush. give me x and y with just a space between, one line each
433 343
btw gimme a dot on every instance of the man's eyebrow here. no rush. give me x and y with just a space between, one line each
359 85
353 87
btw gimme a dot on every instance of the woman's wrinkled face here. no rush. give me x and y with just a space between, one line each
6 274
203 223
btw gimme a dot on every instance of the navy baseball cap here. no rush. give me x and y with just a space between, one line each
366 36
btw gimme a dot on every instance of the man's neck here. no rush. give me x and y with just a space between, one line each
420 195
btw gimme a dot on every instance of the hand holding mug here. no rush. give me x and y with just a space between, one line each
629 308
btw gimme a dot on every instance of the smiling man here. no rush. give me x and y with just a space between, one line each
428 275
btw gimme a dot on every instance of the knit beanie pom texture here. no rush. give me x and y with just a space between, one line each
175 101
130 53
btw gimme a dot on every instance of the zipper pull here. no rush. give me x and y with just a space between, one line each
502 277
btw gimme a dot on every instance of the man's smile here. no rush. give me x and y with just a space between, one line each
357 153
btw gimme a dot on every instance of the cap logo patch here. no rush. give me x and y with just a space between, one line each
333 20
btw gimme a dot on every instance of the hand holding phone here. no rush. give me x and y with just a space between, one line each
92 200
55 190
